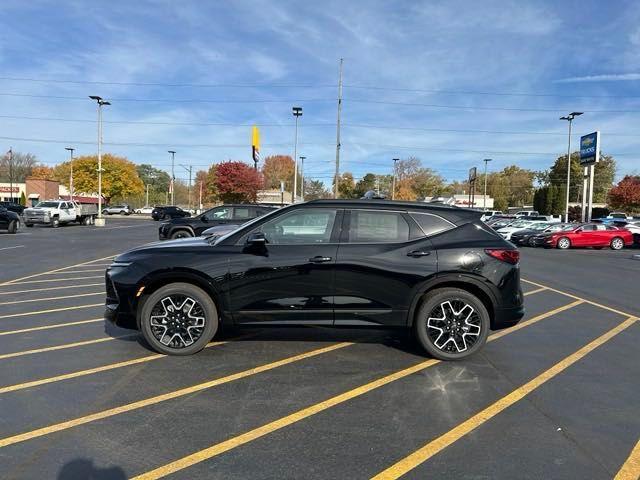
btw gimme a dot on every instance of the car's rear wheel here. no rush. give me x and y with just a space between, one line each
617 243
55 222
531 242
563 243
452 324
178 319
181 234
13 226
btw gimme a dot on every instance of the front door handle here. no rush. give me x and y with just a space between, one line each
418 253
320 259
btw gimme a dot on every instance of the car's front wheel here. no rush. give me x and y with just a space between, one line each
178 319
13 226
181 234
452 324
563 243
617 244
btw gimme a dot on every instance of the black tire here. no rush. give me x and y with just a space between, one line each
153 307
29 225
427 327
55 222
13 226
563 243
617 243
181 234
531 242
86 221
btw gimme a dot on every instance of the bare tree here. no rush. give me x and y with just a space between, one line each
21 166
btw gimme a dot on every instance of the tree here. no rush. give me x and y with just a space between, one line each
42 172
604 173
237 182
19 168
119 176
413 181
278 168
626 194
157 179
346 186
209 192
23 199
314 189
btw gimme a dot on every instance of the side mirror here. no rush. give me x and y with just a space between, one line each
204 218
256 239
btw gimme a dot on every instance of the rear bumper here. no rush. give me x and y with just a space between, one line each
507 317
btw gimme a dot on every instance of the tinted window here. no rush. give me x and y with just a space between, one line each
309 225
374 226
242 213
589 228
219 213
431 224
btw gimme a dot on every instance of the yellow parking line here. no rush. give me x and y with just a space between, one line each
63 347
53 288
566 294
77 307
90 371
51 280
437 445
52 298
268 428
166 396
48 327
9 282
631 468
537 290
76 271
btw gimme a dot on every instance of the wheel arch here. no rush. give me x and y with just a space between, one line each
178 228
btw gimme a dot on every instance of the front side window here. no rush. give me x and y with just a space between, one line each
376 226
304 226
220 213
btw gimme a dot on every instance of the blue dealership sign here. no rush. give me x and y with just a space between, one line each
590 149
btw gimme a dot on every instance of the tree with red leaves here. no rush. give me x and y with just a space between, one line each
237 182
626 195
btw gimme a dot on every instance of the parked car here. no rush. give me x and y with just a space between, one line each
516 226
326 262
490 213
13 207
222 215
634 228
143 210
594 235
122 209
9 221
527 213
526 237
167 212
60 212
502 222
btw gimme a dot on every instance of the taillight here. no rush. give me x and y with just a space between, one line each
509 256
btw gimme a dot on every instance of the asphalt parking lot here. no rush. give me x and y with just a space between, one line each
554 397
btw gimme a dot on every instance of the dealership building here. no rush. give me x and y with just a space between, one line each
37 189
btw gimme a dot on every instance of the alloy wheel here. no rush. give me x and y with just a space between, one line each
177 321
617 244
453 326
564 243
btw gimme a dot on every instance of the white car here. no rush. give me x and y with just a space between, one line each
527 213
634 227
516 226
143 210
489 213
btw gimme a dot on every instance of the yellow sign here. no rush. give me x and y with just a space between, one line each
255 138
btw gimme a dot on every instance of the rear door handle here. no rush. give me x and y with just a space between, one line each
320 259
418 253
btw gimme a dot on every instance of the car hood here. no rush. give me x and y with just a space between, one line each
168 246
525 231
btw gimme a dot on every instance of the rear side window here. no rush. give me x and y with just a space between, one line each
431 224
241 213
375 226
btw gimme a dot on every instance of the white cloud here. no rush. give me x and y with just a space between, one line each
607 77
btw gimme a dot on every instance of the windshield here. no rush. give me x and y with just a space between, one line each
48 204
540 226
250 222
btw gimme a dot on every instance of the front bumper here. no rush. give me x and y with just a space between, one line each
117 309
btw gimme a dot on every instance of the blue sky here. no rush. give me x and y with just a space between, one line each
454 81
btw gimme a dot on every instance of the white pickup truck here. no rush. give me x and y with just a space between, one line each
58 212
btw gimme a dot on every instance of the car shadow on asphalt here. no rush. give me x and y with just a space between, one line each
84 469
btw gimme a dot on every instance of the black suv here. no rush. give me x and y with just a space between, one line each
13 207
435 269
222 215
9 220
167 212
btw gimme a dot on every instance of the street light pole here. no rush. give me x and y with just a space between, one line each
99 221
11 174
569 118
302 177
297 112
188 169
393 182
173 176
486 161
70 149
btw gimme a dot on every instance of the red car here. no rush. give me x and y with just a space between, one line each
590 235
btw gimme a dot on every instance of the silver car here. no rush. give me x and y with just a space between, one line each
122 209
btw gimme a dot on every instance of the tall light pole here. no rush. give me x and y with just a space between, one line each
10 152
173 176
297 112
393 183
101 103
486 161
302 177
188 169
70 150
569 118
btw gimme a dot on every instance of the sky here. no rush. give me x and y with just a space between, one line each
450 82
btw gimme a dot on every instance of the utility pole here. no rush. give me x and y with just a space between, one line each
335 186
569 118
188 169
200 197
173 176
486 161
297 112
11 174
70 149
302 177
146 203
101 103
393 183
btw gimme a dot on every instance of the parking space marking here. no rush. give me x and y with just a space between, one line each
567 294
51 310
91 371
48 327
53 288
77 271
64 346
15 280
282 422
9 248
631 468
435 446
167 396
51 280
537 290
13 302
